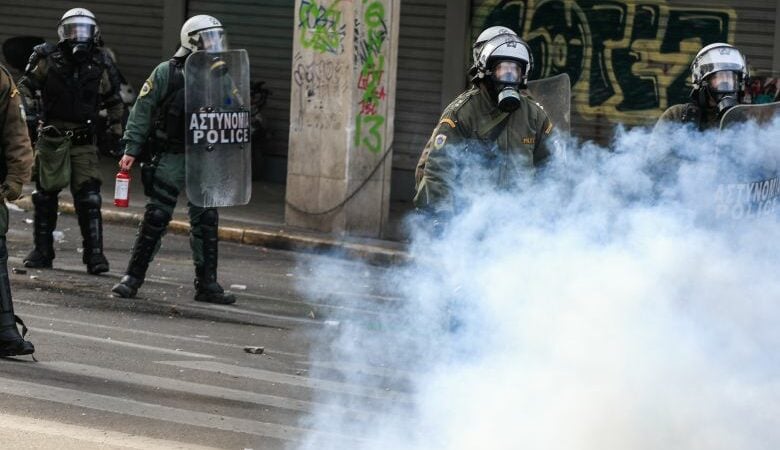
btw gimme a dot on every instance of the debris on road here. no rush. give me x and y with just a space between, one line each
238 287
19 270
254 350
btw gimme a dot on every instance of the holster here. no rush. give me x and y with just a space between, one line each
148 168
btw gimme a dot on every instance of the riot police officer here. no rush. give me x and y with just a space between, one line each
157 120
492 122
75 79
15 164
486 35
718 75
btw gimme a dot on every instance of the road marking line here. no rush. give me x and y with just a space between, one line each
154 334
82 435
152 411
292 380
181 386
123 344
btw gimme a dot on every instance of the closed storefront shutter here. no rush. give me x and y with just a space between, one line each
421 48
629 60
265 30
131 29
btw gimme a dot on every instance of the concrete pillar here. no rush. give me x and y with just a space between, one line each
341 115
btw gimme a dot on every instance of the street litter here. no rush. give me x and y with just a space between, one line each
254 350
238 287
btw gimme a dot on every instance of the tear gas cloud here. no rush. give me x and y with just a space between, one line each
628 299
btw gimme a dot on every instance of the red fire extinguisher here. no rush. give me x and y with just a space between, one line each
122 189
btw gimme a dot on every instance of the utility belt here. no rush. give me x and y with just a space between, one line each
78 136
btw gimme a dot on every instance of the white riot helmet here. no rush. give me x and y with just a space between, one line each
202 32
486 35
719 71
504 63
78 25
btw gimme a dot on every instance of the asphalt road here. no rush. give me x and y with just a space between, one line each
163 371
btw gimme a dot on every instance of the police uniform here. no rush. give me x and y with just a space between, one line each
15 165
514 142
72 94
156 124
703 119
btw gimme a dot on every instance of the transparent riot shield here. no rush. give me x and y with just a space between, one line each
750 184
760 113
217 117
554 94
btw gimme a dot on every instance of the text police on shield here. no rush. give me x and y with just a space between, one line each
219 127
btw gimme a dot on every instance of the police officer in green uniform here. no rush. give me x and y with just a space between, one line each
158 118
76 79
15 164
718 74
493 121
486 35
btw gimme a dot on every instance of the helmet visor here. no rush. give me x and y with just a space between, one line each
78 32
508 72
723 81
213 40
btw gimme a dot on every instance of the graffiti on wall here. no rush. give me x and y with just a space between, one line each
318 81
628 60
370 36
321 27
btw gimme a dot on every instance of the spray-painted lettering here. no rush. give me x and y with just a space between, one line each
627 60
321 27
371 36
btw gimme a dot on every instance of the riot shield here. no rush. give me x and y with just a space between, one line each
750 185
554 94
217 117
760 113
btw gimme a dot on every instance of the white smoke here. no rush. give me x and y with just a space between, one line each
621 302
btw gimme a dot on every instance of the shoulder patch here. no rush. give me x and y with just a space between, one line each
146 88
449 122
439 140
549 128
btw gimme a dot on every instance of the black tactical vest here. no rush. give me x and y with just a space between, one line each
71 91
172 105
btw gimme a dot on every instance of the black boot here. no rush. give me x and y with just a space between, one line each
149 234
44 222
206 287
11 342
87 201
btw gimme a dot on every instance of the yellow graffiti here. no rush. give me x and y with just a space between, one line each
558 50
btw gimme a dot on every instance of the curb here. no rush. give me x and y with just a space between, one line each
279 240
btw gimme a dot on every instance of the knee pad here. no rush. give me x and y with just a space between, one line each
157 217
44 198
210 217
89 200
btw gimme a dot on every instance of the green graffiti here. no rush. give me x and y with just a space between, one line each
371 37
628 60
321 27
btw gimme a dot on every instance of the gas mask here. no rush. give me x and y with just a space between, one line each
723 88
79 39
506 78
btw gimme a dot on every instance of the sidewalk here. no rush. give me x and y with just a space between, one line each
260 222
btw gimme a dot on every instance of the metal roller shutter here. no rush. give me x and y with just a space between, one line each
265 30
131 29
418 101
629 59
